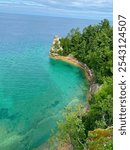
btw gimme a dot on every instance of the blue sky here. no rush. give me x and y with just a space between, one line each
86 9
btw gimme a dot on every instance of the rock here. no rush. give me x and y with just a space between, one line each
4 113
56 47
94 88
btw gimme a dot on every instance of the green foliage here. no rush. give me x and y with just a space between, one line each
60 52
100 114
93 46
100 139
103 101
100 124
65 43
71 130
56 45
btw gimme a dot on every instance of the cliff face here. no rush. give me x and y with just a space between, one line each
56 46
56 51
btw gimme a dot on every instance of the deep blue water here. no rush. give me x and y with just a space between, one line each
33 88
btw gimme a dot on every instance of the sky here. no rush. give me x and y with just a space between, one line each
84 9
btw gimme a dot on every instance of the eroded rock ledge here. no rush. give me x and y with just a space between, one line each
56 47
55 53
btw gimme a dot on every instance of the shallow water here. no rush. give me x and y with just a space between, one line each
33 88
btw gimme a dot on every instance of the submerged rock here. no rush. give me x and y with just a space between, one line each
4 113
55 103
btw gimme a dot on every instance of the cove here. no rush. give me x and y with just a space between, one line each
34 89
32 103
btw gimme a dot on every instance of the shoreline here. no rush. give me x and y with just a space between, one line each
71 60
88 75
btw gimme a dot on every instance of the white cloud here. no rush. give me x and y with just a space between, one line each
77 4
61 7
31 3
64 3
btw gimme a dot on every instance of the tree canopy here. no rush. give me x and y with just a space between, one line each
94 47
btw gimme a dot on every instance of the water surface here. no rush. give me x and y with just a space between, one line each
33 88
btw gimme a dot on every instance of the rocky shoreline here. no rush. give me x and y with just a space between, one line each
54 54
90 77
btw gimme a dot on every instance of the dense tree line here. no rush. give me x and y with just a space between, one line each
94 47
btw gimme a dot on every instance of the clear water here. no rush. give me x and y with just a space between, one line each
33 88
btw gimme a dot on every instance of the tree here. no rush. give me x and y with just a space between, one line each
71 130
93 46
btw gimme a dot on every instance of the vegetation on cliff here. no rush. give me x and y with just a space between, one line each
94 47
100 139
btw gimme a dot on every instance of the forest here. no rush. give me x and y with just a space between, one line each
92 129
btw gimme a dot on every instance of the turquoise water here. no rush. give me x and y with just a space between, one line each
33 88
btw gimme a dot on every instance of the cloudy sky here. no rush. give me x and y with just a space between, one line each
87 9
